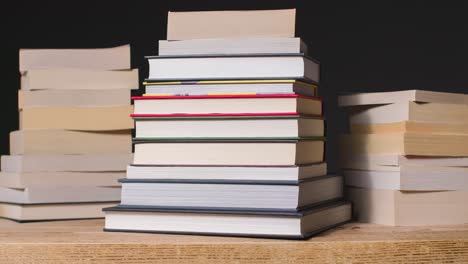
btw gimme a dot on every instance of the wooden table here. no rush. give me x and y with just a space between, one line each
84 242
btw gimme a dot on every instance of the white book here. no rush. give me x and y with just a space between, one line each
239 173
232 46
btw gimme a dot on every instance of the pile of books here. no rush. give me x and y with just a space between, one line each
406 159
74 139
230 134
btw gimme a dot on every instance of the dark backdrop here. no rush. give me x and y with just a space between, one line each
363 46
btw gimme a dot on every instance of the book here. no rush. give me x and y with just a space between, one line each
230 87
77 118
239 173
57 163
154 106
194 126
231 194
59 211
275 224
78 79
73 98
223 152
402 97
241 66
116 58
224 46
404 144
41 141
402 208
21 180
59 194
410 178
410 127
411 111
231 24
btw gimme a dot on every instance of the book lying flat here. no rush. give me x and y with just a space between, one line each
410 111
231 24
404 144
41 141
410 178
402 96
230 87
74 98
78 79
59 194
285 104
277 224
77 118
410 127
231 194
60 211
21 180
240 173
402 208
56 163
241 66
116 58
232 46
194 126
234 152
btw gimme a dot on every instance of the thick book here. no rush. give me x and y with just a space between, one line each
77 118
275 224
410 127
269 152
21 180
240 173
231 24
74 98
116 58
44 141
73 163
241 66
225 46
408 208
57 211
232 194
410 178
59 194
283 104
231 87
193 126
401 97
78 79
404 144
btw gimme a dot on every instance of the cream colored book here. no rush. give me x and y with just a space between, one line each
78 79
411 111
75 98
26 142
21 180
401 208
402 96
115 58
77 118
410 127
404 144
231 24
59 211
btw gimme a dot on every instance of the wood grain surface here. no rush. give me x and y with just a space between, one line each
84 242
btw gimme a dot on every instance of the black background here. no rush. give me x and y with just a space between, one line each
363 46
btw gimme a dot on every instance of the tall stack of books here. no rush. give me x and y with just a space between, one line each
230 134
406 159
74 139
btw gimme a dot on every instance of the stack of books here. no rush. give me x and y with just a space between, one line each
74 139
406 159
230 134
